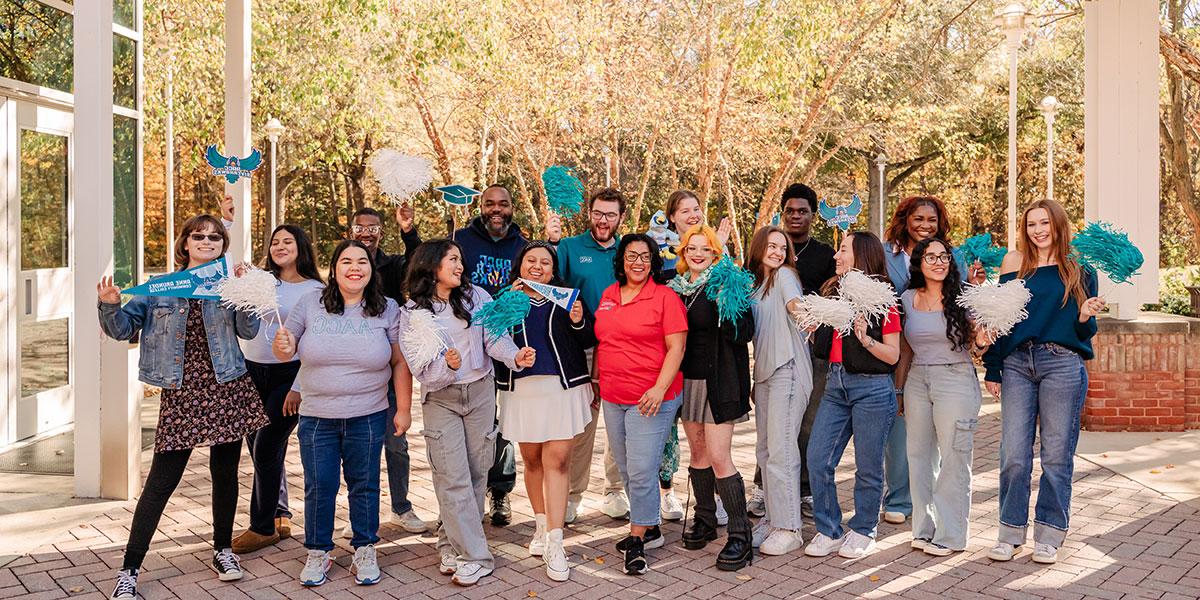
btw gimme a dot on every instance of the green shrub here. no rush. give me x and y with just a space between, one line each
1173 296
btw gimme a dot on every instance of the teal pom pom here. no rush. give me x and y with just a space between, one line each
979 247
564 192
504 315
1107 249
731 288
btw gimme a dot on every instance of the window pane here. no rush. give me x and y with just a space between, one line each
45 355
43 200
124 72
35 44
123 13
125 201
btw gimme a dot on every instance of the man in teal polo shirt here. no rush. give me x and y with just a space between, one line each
585 262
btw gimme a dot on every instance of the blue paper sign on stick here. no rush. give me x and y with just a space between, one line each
564 297
841 217
197 282
232 167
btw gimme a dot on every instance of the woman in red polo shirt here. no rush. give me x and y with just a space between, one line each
642 329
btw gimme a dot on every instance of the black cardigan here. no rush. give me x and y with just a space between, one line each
718 353
567 341
855 357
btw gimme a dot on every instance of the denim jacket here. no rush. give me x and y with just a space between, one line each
163 322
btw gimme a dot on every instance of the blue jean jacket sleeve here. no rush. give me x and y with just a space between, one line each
247 325
123 322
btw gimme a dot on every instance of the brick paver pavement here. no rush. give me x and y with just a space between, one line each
1127 541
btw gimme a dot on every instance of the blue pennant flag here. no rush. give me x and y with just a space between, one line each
564 297
197 282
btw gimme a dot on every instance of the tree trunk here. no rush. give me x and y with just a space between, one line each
441 159
647 169
541 187
731 206
1174 134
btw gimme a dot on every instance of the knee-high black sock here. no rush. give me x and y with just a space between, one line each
704 489
733 496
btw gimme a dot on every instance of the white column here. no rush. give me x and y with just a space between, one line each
237 118
107 432
1121 157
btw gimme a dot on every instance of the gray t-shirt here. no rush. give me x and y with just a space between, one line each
345 360
776 338
925 332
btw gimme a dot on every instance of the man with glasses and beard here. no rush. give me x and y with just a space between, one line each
489 243
586 263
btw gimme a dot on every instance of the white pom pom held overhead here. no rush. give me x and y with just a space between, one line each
401 176
422 339
998 308
871 298
252 292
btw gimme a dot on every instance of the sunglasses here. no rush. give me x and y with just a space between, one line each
200 237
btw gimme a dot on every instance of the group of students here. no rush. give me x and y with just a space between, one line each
648 344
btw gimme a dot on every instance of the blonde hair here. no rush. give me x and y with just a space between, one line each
709 234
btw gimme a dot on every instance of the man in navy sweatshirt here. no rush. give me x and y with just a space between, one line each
489 243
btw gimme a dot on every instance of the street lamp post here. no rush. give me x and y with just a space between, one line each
274 129
881 164
1049 108
1012 19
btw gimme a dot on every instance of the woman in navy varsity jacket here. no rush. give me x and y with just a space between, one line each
544 406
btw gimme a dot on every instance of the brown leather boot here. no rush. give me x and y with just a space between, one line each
249 541
283 526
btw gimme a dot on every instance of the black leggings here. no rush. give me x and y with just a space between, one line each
165 472
268 446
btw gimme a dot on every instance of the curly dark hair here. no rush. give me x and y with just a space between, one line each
897 231
374 302
515 273
958 327
656 261
421 281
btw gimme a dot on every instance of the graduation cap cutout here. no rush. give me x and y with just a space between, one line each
458 195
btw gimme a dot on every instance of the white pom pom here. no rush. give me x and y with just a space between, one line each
401 176
816 311
253 292
422 339
871 298
996 307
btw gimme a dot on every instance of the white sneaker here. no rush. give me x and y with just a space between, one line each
470 574
920 543
126 588
822 545
616 505
782 541
757 505
894 517
672 509
761 531
409 522
365 566
856 546
722 516
933 549
227 564
316 568
1002 552
448 565
537 545
572 512
348 531
557 566
1045 554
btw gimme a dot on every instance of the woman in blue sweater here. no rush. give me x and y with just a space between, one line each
1037 372
543 407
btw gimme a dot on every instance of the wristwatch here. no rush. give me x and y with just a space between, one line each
870 342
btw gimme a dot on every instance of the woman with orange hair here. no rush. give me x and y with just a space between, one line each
716 394
1037 372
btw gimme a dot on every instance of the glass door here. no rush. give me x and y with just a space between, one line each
40 215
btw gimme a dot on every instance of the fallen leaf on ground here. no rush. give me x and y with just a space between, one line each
744 577
1155 471
75 590
874 578
1105 455
599 560
1170 466
531 594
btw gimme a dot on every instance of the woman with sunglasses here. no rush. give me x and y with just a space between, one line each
189 348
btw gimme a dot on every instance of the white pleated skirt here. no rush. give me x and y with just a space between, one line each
540 410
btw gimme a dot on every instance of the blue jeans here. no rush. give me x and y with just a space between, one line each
897 497
1043 392
395 452
862 407
637 444
329 450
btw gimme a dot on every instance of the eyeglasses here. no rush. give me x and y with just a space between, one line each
635 257
605 216
200 237
934 259
694 250
372 229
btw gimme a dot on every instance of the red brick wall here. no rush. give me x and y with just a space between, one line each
1145 377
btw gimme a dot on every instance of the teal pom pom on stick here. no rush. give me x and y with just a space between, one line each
564 191
504 315
1107 249
731 288
980 247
